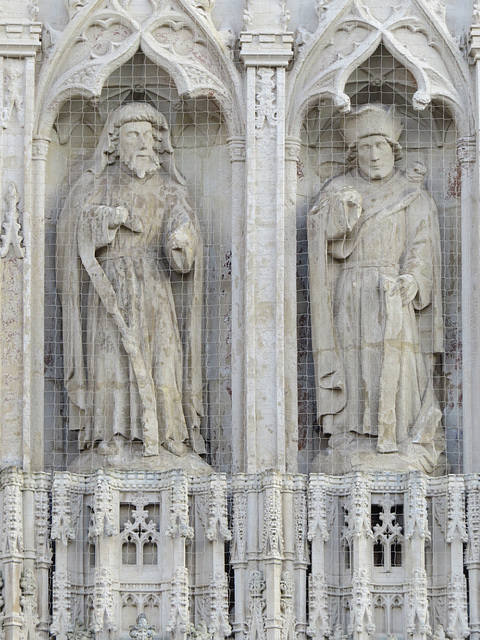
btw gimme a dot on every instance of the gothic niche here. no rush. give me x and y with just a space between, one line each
378 316
141 261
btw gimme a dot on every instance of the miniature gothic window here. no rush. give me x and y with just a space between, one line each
139 525
387 526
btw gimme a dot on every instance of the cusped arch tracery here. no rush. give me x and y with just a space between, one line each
352 31
101 37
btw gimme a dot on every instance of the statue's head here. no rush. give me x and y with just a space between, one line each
371 133
137 136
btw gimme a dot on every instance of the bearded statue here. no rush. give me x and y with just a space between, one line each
130 277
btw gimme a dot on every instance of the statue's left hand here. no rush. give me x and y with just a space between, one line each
408 288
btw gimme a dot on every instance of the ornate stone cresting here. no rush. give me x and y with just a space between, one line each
375 428
144 371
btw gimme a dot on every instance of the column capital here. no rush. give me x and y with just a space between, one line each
40 147
266 48
467 149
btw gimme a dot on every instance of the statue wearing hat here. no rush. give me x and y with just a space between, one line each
374 271
130 279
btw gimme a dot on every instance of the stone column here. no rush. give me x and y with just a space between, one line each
470 179
21 428
472 556
266 48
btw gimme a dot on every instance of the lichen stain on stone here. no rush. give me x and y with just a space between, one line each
454 181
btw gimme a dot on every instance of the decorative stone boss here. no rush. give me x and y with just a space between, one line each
374 269
130 276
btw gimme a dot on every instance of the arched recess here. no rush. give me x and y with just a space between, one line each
169 54
365 51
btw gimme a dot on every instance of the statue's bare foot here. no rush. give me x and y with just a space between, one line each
177 448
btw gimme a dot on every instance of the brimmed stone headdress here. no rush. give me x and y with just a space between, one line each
371 120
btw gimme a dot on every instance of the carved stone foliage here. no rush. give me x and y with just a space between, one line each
179 527
13 94
358 510
12 517
178 621
104 610
361 612
66 507
217 522
457 615
456 526
103 521
272 536
300 512
62 605
317 510
219 626
417 604
289 622
265 109
473 519
257 604
28 602
417 515
239 525
11 238
42 523
318 620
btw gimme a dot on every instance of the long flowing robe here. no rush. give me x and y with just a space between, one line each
131 295
373 355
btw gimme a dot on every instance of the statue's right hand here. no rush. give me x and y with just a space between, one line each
351 198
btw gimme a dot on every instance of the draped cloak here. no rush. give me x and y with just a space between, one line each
131 296
372 355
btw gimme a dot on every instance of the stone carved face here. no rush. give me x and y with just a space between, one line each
376 157
136 148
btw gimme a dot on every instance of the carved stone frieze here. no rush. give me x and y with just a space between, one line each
11 238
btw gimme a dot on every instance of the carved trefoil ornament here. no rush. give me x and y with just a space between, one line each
219 626
104 610
418 619
62 605
217 522
417 514
272 537
317 510
11 238
179 527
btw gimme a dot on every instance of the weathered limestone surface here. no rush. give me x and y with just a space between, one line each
182 233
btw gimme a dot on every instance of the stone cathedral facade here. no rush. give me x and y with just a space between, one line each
239 320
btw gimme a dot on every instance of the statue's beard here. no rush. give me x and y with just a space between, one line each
141 166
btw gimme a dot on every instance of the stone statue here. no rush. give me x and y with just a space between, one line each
130 276
376 308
